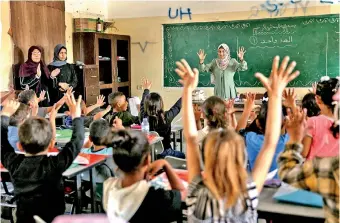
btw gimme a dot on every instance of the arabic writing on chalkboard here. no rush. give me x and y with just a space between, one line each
181 13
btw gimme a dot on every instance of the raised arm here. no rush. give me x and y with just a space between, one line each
278 80
146 86
189 80
174 110
71 150
7 151
242 66
100 102
248 107
204 67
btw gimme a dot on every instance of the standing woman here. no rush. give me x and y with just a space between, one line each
34 74
223 69
65 75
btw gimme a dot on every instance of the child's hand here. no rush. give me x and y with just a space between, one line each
108 108
314 85
10 108
42 96
54 112
100 100
69 92
279 77
189 77
290 97
117 123
229 105
74 105
146 84
296 124
156 166
250 101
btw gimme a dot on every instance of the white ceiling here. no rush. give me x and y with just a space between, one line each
113 9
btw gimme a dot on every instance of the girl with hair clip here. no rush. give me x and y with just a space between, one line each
322 138
152 107
226 193
130 197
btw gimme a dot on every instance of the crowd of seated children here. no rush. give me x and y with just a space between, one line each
227 192
321 139
130 197
319 174
37 178
119 108
152 107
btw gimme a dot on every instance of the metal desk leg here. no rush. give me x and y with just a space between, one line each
93 191
78 197
174 140
181 140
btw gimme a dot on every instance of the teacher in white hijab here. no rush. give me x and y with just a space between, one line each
223 69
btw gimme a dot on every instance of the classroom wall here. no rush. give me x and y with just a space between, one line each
149 63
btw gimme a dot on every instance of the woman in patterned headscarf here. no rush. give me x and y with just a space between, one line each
223 70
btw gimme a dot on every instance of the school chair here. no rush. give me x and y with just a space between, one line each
7 199
176 163
157 148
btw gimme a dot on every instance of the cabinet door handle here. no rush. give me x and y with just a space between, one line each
93 76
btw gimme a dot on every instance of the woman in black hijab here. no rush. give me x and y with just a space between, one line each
65 75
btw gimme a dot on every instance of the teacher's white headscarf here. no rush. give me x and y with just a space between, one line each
223 63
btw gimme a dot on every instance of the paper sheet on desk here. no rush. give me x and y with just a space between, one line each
133 102
289 194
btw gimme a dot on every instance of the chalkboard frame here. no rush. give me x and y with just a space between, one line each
311 17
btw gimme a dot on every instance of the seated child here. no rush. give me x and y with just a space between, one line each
322 139
119 106
320 175
152 107
100 131
130 197
20 115
37 178
254 136
214 111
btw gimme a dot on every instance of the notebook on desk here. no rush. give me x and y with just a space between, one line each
289 194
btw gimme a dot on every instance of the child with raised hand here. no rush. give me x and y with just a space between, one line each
152 108
227 193
309 103
37 177
322 139
130 197
319 175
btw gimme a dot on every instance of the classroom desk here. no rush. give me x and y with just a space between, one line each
271 209
76 171
64 136
174 130
153 143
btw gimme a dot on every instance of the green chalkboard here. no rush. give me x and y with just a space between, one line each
313 42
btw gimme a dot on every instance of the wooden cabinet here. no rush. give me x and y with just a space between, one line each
108 63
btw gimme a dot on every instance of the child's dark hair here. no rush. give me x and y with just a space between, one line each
326 90
214 111
309 103
130 149
262 120
265 98
26 96
113 97
20 115
35 134
154 109
99 132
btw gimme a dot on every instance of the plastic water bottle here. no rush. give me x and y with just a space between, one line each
145 125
